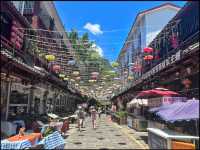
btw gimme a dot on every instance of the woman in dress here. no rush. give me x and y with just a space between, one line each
93 116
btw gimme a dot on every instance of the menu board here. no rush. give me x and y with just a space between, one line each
156 142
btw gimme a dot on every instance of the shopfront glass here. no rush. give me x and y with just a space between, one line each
18 104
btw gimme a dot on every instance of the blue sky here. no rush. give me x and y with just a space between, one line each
110 22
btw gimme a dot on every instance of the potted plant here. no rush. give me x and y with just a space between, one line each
121 117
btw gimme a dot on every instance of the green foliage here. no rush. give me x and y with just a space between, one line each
85 52
121 113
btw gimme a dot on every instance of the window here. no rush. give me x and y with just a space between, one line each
6 23
18 98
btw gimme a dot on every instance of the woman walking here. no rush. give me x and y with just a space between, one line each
93 116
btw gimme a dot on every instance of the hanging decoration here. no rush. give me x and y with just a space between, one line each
95 73
72 80
78 78
50 57
187 83
148 57
148 50
94 77
115 64
61 75
71 62
66 79
76 73
130 78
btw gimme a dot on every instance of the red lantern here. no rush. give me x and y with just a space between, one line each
148 50
94 77
148 57
56 68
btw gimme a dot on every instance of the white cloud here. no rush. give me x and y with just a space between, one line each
97 49
93 28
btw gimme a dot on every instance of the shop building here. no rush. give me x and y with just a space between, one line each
178 65
27 84
144 29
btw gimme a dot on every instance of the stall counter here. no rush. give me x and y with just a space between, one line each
166 139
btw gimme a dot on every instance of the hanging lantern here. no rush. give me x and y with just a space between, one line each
188 70
75 73
94 77
91 81
71 62
72 80
78 78
126 72
148 50
116 78
61 75
148 57
50 57
130 78
186 82
95 73
115 64
56 68
66 79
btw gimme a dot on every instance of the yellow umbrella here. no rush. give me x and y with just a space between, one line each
50 57
72 80
75 73
66 79
61 75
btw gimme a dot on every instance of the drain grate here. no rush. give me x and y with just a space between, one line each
81 135
100 138
118 135
77 143
112 130
99 132
122 143
131 133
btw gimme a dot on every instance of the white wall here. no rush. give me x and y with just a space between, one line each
156 21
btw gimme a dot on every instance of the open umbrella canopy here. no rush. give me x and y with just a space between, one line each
156 93
179 111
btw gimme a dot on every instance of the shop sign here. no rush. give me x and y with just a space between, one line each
170 60
190 49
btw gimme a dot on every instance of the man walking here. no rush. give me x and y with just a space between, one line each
80 117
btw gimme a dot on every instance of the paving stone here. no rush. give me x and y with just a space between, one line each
104 137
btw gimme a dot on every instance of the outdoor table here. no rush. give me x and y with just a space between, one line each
33 138
53 141
168 139
5 144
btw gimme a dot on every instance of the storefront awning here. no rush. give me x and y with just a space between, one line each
179 111
137 102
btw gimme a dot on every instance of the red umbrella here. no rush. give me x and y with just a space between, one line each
148 49
157 93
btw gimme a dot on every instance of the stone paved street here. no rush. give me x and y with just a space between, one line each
106 136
